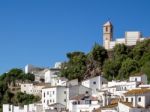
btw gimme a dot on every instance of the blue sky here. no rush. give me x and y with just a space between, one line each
41 32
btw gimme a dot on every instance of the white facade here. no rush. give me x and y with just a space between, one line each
142 100
79 89
112 44
83 103
51 73
28 68
25 108
139 78
95 83
30 88
51 95
126 108
120 41
59 81
58 65
132 37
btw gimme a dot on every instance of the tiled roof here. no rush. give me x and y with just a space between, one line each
129 104
84 96
110 106
49 86
137 91
137 74
114 101
56 104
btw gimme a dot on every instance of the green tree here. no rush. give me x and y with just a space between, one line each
111 69
146 69
128 66
99 54
75 67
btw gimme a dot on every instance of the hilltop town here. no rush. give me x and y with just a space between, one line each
112 78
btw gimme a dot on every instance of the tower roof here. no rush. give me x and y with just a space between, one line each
108 23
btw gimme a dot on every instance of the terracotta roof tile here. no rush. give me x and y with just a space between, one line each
137 91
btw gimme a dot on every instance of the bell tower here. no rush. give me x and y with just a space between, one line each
107 34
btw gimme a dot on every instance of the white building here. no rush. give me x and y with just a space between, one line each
52 95
135 100
141 78
73 82
26 108
50 74
59 81
95 83
120 87
42 74
79 89
83 103
58 65
30 88
130 38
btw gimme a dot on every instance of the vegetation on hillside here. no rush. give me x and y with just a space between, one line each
119 63
10 80
79 64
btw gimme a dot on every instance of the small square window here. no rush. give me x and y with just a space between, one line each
94 82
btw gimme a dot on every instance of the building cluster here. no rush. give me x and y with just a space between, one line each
96 94
130 38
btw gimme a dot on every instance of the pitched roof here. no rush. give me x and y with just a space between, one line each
84 96
110 106
129 104
56 104
137 74
108 23
137 91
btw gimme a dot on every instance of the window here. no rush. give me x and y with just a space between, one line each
9 107
44 94
139 99
131 99
53 92
135 79
126 99
47 93
94 82
64 100
86 92
106 29
64 92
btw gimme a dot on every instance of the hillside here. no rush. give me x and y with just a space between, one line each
10 89
119 63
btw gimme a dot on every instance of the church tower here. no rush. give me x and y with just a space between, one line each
107 34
